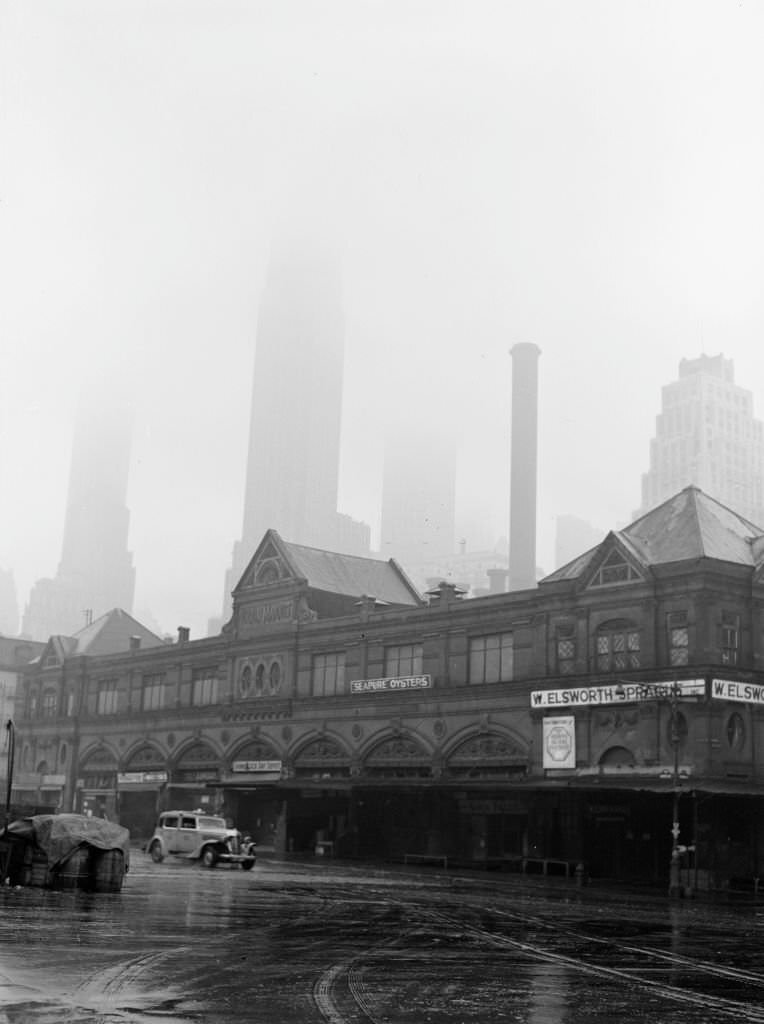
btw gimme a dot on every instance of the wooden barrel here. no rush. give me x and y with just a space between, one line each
76 870
108 870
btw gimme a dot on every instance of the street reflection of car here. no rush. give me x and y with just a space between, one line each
195 835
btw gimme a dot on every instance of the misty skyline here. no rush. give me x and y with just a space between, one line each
585 177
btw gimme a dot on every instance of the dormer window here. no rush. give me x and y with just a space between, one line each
615 569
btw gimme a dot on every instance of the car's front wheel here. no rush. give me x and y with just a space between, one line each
247 865
156 853
209 858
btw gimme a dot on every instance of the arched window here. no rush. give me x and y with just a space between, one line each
49 707
245 680
735 731
275 676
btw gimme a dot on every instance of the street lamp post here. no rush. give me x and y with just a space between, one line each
675 887
11 753
644 693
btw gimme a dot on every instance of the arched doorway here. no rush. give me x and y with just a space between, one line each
492 823
194 777
97 784
141 785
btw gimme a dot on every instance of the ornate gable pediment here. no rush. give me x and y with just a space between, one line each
269 566
614 568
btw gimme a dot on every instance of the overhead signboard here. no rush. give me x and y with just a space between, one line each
130 778
617 693
390 684
256 766
743 693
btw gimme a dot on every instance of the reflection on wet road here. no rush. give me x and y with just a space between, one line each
322 941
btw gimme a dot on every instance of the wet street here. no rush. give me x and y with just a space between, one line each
312 941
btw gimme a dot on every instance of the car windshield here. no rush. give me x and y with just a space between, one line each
212 823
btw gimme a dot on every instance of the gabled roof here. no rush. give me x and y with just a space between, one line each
354 576
109 634
277 560
689 526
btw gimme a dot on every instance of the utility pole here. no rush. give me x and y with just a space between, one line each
675 887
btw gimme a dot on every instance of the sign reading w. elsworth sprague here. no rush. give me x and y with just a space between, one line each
744 693
617 693
390 684
560 742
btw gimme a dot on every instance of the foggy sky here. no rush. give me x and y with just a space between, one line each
585 176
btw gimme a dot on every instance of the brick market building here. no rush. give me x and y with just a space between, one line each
338 711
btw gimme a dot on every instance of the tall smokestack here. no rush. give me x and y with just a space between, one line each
524 467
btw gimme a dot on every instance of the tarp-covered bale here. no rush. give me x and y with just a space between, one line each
79 851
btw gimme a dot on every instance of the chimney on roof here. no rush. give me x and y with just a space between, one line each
524 466
183 634
135 643
497 580
366 606
444 594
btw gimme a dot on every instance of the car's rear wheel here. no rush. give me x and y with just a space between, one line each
156 853
209 858
247 865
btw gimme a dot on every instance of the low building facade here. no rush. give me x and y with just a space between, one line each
608 721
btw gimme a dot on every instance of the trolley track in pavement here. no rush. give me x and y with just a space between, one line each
671 976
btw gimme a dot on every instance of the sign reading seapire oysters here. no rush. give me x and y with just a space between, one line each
390 684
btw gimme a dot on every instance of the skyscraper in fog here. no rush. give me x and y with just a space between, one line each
706 435
294 438
96 571
418 498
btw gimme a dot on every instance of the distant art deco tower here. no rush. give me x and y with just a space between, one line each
706 435
96 571
294 437
524 467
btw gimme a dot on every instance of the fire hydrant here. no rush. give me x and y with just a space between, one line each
580 873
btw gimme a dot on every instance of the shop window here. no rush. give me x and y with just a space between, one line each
566 649
491 658
204 686
153 693
678 638
405 660
730 638
618 647
328 677
108 697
